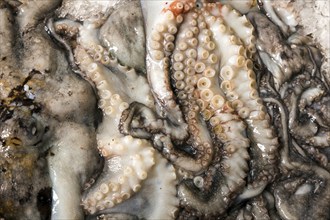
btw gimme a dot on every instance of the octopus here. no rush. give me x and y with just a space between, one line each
180 109
36 83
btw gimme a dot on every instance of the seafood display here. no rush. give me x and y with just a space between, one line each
180 109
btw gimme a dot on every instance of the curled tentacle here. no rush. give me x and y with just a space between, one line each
157 197
69 29
127 174
160 47
302 92
184 78
228 129
230 179
123 174
140 121
233 63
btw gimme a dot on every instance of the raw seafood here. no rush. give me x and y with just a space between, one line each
229 114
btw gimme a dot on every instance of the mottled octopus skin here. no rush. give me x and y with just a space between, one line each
184 66
157 198
218 150
300 70
127 171
239 85
117 86
213 107
301 187
35 73
160 50
303 90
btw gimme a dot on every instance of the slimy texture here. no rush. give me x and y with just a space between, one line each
160 46
124 173
213 79
127 170
157 197
177 109
47 119
239 85
214 109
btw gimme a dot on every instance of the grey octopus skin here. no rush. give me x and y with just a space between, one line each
201 192
303 91
305 180
36 83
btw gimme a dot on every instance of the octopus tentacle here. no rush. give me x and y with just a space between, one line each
195 60
160 47
284 128
239 85
321 140
230 130
322 159
300 187
179 158
140 121
56 28
124 173
315 153
184 64
226 125
242 28
158 191
188 61
309 95
303 91
242 6
117 74
127 171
